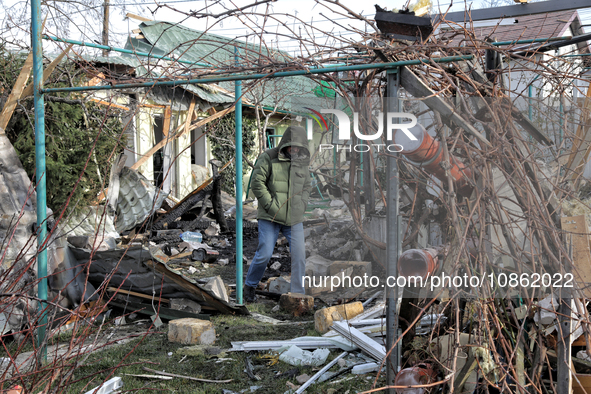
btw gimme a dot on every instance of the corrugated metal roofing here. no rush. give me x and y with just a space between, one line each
138 199
176 41
90 221
198 46
122 60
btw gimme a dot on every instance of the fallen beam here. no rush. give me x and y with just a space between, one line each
180 131
475 72
415 86
47 72
176 134
15 94
202 186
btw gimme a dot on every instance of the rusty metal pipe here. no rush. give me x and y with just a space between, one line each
427 153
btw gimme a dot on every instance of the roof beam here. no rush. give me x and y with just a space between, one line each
510 11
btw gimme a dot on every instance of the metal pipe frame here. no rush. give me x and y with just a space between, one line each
280 74
40 171
393 235
129 51
239 214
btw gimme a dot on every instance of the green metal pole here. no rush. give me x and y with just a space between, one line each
279 74
529 96
36 29
238 113
114 49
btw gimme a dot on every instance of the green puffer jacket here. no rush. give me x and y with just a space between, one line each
280 184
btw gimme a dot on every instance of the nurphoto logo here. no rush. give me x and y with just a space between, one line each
344 125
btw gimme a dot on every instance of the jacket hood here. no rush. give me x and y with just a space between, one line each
295 136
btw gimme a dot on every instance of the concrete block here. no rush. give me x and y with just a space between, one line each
191 332
297 304
324 318
360 268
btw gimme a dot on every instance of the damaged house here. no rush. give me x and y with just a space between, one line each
181 121
460 263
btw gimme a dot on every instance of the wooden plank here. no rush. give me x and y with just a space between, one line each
582 384
582 143
95 80
136 294
152 106
165 313
15 94
167 117
577 234
581 128
109 104
47 72
190 114
415 86
138 17
177 133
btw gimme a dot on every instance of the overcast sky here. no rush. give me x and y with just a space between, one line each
83 20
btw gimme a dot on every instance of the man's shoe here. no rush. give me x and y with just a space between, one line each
249 294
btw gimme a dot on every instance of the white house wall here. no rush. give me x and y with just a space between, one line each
184 180
145 139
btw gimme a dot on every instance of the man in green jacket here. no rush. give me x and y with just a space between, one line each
281 183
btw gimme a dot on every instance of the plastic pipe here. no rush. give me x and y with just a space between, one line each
238 114
279 74
418 262
427 153
40 170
